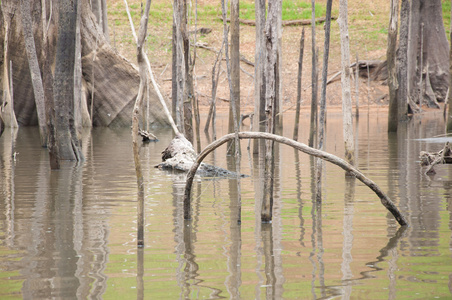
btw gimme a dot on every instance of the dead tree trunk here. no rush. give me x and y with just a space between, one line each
313 127
300 73
390 206
435 52
259 77
135 121
271 98
35 71
449 100
322 120
345 82
7 111
402 96
392 68
234 113
67 140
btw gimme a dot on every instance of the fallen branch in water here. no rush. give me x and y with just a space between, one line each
431 159
299 146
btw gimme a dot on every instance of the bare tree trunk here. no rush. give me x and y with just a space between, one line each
7 110
188 76
99 8
313 127
357 86
391 57
180 65
402 96
322 121
259 81
300 72
192 86
135 122
235 73
385 200
345 82
271 98
436 48
35 71
449 100
64 82
215 75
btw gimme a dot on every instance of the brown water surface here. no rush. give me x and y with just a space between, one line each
72 233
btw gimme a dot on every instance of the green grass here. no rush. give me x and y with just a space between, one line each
291 10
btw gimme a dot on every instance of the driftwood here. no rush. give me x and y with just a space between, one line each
431 159
147 136
284 23
390 206
180 156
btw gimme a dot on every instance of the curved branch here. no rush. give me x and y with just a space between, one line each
301 147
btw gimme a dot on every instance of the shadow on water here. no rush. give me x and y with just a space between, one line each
71 233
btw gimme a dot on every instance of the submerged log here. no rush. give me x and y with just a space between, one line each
431 159
390 206
180 156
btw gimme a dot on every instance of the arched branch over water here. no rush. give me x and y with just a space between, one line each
301 147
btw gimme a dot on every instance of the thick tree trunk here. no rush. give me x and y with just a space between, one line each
345 82
116 82
391 57
435 52
64 82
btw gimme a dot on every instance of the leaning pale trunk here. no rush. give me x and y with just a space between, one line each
345 83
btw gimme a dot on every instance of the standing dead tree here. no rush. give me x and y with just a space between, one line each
314 77
300 72
345 82
391 57
322 120
271 101
385 201
135 121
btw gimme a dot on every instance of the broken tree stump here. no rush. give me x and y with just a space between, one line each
431 159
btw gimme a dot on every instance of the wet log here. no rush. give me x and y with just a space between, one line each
147 136
180 156
431 159
390 206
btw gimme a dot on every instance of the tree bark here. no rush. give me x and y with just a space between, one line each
35 71
235 73
435 52
345 82
64 81
449 100
301 147
300 73
259 77
135 122
402 96
313 127
271 98
391 56
322 120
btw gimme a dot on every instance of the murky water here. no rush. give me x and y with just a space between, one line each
72 233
